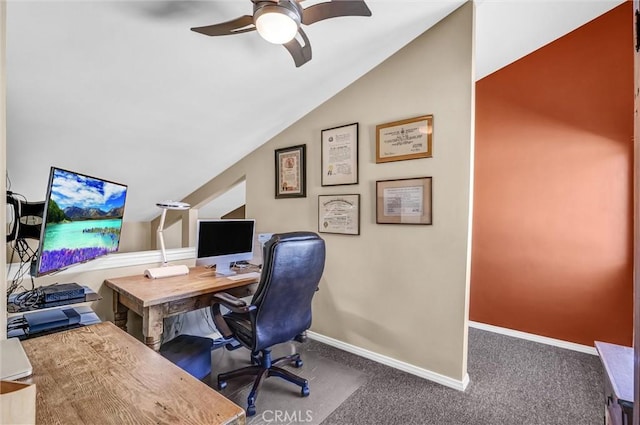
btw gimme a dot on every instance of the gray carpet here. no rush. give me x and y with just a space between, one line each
512 382
278 401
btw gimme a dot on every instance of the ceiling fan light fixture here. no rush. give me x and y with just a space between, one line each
276 23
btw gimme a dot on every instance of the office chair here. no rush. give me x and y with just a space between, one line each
280 310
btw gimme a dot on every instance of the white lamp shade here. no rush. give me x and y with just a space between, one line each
276 27
173 205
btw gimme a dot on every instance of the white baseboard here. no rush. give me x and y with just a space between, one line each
459 385
535 338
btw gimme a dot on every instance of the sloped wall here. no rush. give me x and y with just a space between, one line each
552 237
396 290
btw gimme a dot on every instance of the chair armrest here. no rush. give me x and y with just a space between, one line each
234 304
229 300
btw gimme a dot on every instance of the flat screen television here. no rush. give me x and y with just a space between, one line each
224 242
82 220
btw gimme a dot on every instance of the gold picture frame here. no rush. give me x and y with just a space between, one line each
404 201
291 172
406 139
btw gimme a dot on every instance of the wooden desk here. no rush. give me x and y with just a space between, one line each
99 374
155 299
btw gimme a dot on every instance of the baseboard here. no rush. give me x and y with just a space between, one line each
535 338
459 385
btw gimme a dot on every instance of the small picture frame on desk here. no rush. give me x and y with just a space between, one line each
291 170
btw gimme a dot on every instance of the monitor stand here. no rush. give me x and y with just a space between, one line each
224 269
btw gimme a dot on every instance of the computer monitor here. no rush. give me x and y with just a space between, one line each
82 220
224 242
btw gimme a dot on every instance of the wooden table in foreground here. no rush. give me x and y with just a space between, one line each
155 299
99 374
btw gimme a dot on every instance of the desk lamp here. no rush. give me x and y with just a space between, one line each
166 270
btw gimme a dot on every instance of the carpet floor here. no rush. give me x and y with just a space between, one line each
512 381
280 402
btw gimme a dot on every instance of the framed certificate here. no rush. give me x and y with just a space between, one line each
404 201
340 155
291 169
339 214
406 139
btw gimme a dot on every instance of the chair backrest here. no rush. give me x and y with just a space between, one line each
292 266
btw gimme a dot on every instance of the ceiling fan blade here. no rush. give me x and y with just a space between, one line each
300 54
235 26
334 9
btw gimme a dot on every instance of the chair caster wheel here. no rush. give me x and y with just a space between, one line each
304 392
222 385
251 410
251 405
298 363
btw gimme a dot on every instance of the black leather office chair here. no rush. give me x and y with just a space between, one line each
280 310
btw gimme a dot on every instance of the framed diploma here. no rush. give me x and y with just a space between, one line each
340 155
291 172
339 214
406 139
404 201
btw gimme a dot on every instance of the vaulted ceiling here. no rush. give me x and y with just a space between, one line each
123 90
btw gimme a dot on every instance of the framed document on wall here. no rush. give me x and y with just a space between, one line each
339 214
340 155
291 169
406 139
404 201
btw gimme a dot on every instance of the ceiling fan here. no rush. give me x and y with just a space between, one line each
279 22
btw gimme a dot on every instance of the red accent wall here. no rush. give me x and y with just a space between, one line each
553 208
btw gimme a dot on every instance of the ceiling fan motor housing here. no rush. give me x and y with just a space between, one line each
280 22
289 8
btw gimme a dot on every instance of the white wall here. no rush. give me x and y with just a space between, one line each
397 290
3 166
135 236
400 291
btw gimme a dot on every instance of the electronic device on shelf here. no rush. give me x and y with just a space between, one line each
222 242
82 220
62 292
40 321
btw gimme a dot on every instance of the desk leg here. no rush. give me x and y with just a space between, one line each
120 313
152 326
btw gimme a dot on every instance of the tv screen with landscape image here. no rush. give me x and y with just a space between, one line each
82 220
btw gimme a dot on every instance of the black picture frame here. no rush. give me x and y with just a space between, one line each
291 172
339 155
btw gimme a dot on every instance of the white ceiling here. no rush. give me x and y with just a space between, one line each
123 90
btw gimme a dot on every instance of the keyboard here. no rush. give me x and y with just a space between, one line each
243 276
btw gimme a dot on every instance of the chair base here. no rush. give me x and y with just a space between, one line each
263 370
